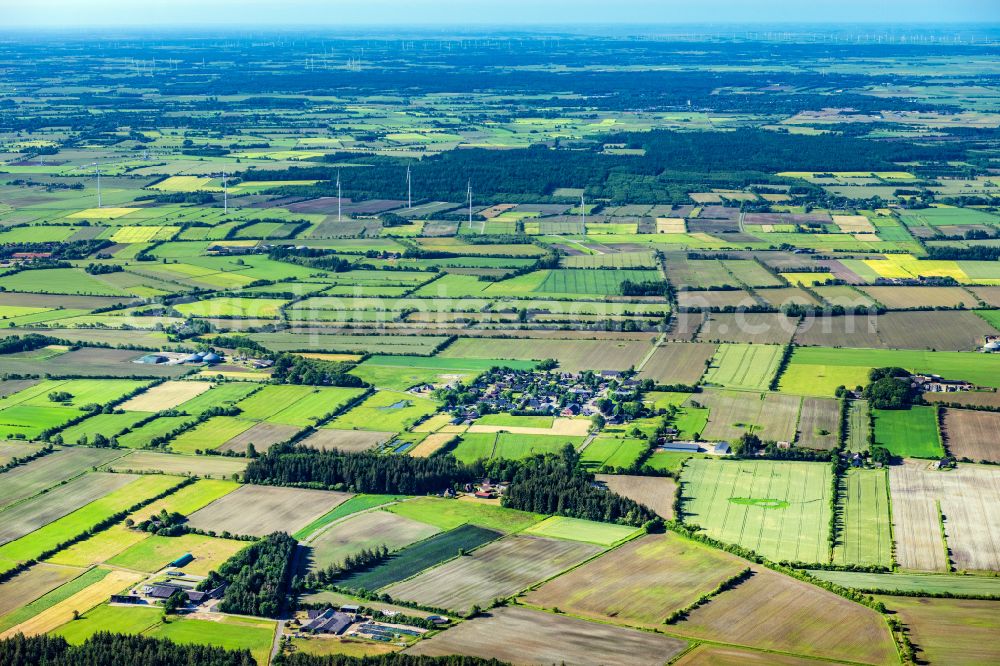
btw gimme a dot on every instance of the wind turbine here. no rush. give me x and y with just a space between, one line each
583 216
469 192
338 196
97 167
225 194
409 188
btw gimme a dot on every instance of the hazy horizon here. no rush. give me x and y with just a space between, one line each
62 14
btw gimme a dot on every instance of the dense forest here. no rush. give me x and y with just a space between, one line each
556 485
673 164
258 579
105 648
358 472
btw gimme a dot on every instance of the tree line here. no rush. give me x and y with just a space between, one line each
108 648
551 484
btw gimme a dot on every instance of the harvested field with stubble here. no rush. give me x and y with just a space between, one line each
165 396
366 530
957 632
969 498
966 398
23 518
945 330
524 636
168 463
800 618
717 655
573 355
732 413
32 583
431 443
497 570
678 363
758 328
819 424
260 510
902 298
639 583
27 480
262 435
325 439
972 434
655 492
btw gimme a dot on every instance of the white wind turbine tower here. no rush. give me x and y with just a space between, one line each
338 196
97 167
583 216
225 194
469 192
409 188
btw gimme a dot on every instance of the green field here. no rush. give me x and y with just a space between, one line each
613 452
448 514
125 620
574 529
908 433
778 509
401 372
209 435
475 446
864 534
385 411
744 366
157 552
420 556
234 633
820 370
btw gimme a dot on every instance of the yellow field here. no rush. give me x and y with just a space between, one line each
165 396
142 234
887 175
98 548
560 426
103 213
854 224
82 601
185 184
907 266
431 444
670 225
807 279
433 424
339 358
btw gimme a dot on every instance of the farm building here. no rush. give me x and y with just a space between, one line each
686 447
328 622
186 558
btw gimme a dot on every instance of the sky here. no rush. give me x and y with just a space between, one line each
313 13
